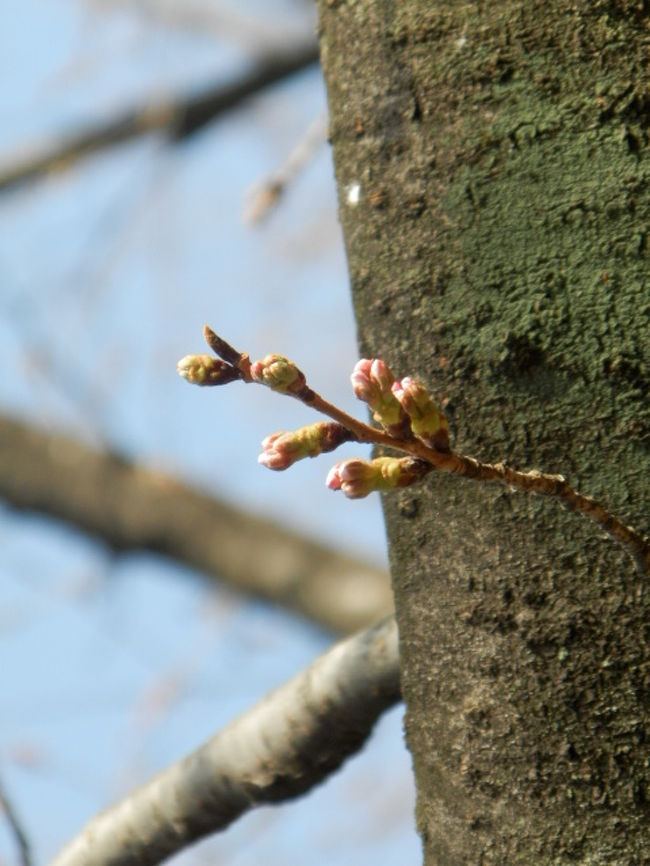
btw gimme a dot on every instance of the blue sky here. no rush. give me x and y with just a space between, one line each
114 666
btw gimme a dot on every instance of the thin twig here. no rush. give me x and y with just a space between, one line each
290 742
533 481
224 350
265 195
16 828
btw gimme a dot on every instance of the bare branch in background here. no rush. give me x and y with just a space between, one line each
175 116
290 742
129 506
221 22
264 196
16 828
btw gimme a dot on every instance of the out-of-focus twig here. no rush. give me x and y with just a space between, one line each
291 741
129 506
232 24
175 116
263 197
16 828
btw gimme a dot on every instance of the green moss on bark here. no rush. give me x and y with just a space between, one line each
499 250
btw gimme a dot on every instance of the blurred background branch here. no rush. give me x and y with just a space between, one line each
117 660
176 116
130 506
251 32
278 750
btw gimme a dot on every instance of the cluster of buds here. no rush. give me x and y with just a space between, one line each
279 374
357 478
372 382
281 450
428 422
412 423
402 407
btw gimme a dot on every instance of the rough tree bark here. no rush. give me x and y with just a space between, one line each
493 173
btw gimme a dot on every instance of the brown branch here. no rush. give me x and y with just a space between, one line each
177 117
231 356
290 742
129 506
533 481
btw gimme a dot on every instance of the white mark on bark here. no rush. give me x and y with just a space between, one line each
354 194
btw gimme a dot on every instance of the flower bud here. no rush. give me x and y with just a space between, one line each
428 421
372 382
279 373
281 450
206 370
357 478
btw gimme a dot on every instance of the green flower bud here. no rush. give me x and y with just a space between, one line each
428 421
206 370
278 373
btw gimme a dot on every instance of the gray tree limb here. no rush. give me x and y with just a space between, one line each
131 507
290 742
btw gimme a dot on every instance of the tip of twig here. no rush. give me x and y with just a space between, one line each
224 350
220 347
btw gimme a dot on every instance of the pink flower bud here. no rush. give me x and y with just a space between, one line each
276 456
281 450
357 478
206 370
333 480
278 373
372 382
428 421
362 386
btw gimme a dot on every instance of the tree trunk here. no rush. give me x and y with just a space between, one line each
493 174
